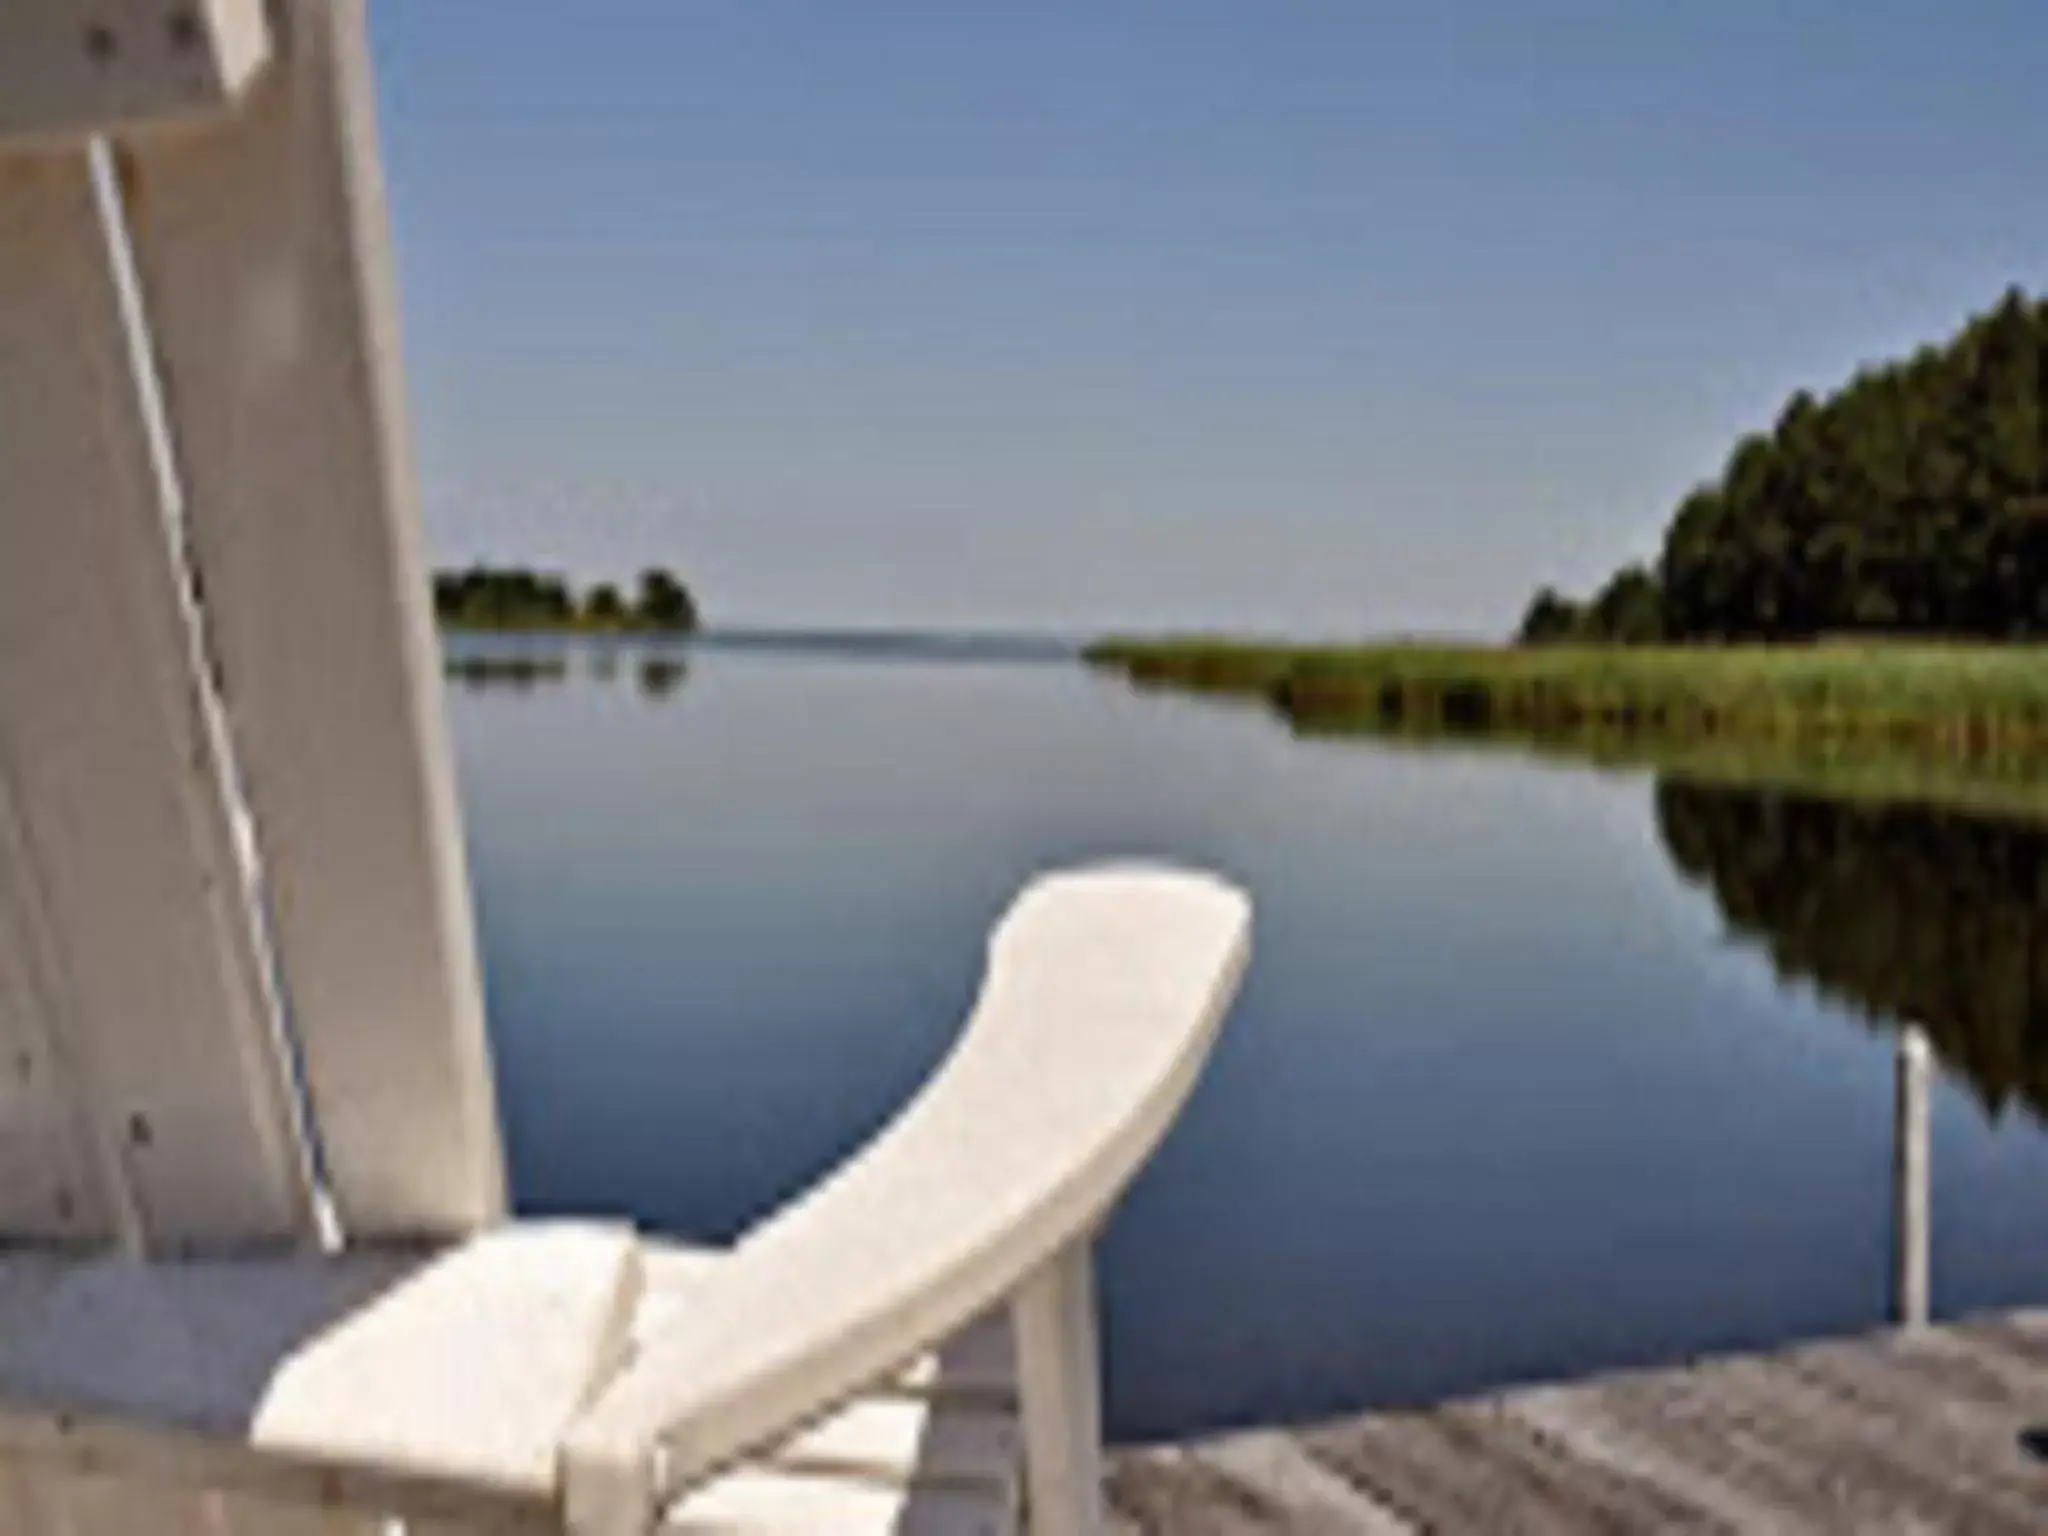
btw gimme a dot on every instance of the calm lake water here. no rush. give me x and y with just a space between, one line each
1536 1070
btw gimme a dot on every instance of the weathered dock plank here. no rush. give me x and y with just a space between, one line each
1914 1430
1166 1488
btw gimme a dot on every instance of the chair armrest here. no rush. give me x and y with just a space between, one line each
1104 991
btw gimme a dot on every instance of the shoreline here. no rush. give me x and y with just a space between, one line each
1955 702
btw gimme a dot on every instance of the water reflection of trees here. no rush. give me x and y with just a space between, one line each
1904 913
658 674
519 671
661 676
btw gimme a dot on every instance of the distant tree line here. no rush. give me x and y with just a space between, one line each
488 597
1914 500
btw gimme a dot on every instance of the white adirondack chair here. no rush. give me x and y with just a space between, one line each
256 1272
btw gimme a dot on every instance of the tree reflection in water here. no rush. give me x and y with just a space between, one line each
659 675
1902 913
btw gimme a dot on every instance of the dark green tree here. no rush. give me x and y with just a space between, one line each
1908 501
1629 609
665 603
484 597
604 608
1551 619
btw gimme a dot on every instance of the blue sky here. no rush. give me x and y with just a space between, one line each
1310 317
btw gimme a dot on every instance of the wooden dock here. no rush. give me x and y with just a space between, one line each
1924 1430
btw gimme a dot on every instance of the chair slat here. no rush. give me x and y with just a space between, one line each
156 992
263 255
763 1502
90 1504
55 1188
249 1515
56 1448
904 1441
21 1507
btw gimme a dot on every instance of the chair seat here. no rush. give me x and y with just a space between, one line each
464 1365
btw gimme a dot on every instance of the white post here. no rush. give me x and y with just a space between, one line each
1911 1208
1059 1377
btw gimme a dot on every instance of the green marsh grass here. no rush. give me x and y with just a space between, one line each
1967 700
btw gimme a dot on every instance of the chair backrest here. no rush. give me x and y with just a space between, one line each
237 968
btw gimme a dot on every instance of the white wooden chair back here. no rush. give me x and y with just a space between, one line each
237 973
